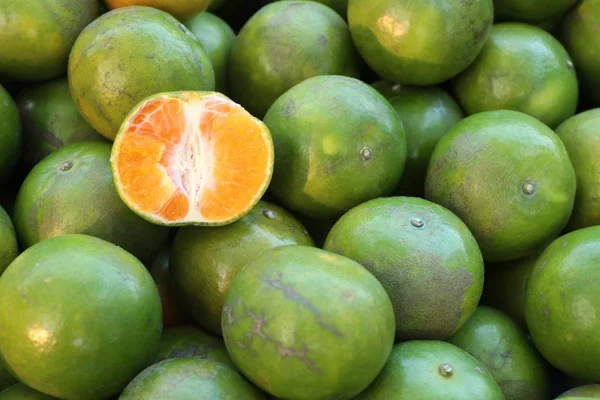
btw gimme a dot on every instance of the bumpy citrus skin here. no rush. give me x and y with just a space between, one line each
9 249
419 42
283 44
591 391
581 136
508 177
189 341
427 114
189 378
178 8
96 321
22 392
10 135
561 303
502 346
204 261
392 237
531 11
341 318
338 143
129 54
504 286
415 370
521 68
579 34
217 38
37 36
51 120
72 191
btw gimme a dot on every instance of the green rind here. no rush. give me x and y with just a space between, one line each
204 261
479 171
304 323
159 221
22 392
521 68
81 199
9 249
11 136
562 304
320 129
591 391
531 11
129 54
89 317
433 273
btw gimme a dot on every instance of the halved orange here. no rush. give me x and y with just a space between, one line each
191 158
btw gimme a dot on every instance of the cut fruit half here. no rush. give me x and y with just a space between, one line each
191 158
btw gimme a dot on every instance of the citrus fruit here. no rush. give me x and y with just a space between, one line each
22 392
204 261
427 114
430 369
72 191
338 143
37 36
189 341
531 10
217 38
178 8
423 255
521 68
502 346
591 391
173 312
562 300
419 42
579 34
10 134
508 177
189 378
129 54
505 283
51 120
283 44
304 323
89 317
206 158
9 249
581 136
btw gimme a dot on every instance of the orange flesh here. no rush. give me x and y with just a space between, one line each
199 159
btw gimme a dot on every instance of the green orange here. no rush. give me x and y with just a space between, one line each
338 143
508 177
419 42
217 38
562 301
521 68
129 54
51 120
304 323
204 261
9 249
581 136
427 114
189 341
430 369
10 135
283 44
502 346
531 10
22 392
591 391
72 191
423 255
579 34
504 286
37 36
189 378
95 323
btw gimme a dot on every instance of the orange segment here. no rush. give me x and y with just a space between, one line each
192 158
